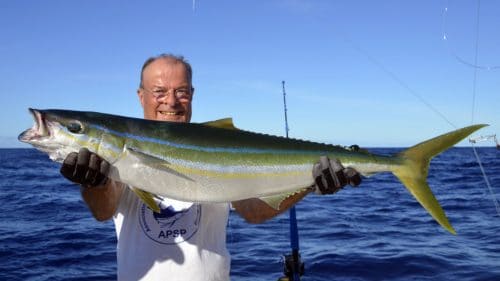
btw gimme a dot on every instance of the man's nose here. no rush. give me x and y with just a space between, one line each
171 99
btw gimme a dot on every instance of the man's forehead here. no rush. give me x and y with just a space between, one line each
165 67
165 64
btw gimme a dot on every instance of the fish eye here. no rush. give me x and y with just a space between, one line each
75 127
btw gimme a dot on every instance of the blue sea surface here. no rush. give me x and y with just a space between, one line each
374 232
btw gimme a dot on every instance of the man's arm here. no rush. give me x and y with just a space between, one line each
103 200
100 193
329 177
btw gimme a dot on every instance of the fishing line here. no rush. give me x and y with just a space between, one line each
424 101
396 79
493 197
446 38
474 86
476 51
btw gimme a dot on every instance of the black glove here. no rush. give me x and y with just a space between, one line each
330 176
85 168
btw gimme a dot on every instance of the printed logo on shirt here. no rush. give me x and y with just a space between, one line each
170 226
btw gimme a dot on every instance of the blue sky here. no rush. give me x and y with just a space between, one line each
355 71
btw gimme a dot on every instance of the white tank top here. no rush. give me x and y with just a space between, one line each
185 241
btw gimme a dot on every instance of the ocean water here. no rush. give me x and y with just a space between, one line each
374 232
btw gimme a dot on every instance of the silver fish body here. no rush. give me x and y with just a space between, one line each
215 162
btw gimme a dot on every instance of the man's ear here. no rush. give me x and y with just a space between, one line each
140 94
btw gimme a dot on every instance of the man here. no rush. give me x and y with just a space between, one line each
186 241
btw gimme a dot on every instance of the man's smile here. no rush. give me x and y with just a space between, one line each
171 113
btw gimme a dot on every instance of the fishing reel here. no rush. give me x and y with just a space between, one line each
290 266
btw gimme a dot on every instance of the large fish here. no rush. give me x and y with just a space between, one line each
215 162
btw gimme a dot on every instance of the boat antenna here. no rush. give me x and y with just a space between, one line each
293 267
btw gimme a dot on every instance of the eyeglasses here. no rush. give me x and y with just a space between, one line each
182 94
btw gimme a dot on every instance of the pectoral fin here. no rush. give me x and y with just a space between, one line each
147 198
155 162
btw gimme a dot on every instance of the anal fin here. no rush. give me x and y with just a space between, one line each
275 201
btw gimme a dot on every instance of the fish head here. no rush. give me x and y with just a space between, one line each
60 132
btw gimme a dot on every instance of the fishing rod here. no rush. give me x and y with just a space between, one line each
293 267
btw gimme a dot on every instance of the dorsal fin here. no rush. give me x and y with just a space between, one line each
225 123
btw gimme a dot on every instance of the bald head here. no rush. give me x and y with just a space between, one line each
169 59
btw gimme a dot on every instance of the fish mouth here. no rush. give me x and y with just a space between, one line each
39 129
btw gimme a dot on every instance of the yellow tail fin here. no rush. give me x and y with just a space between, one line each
413 172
